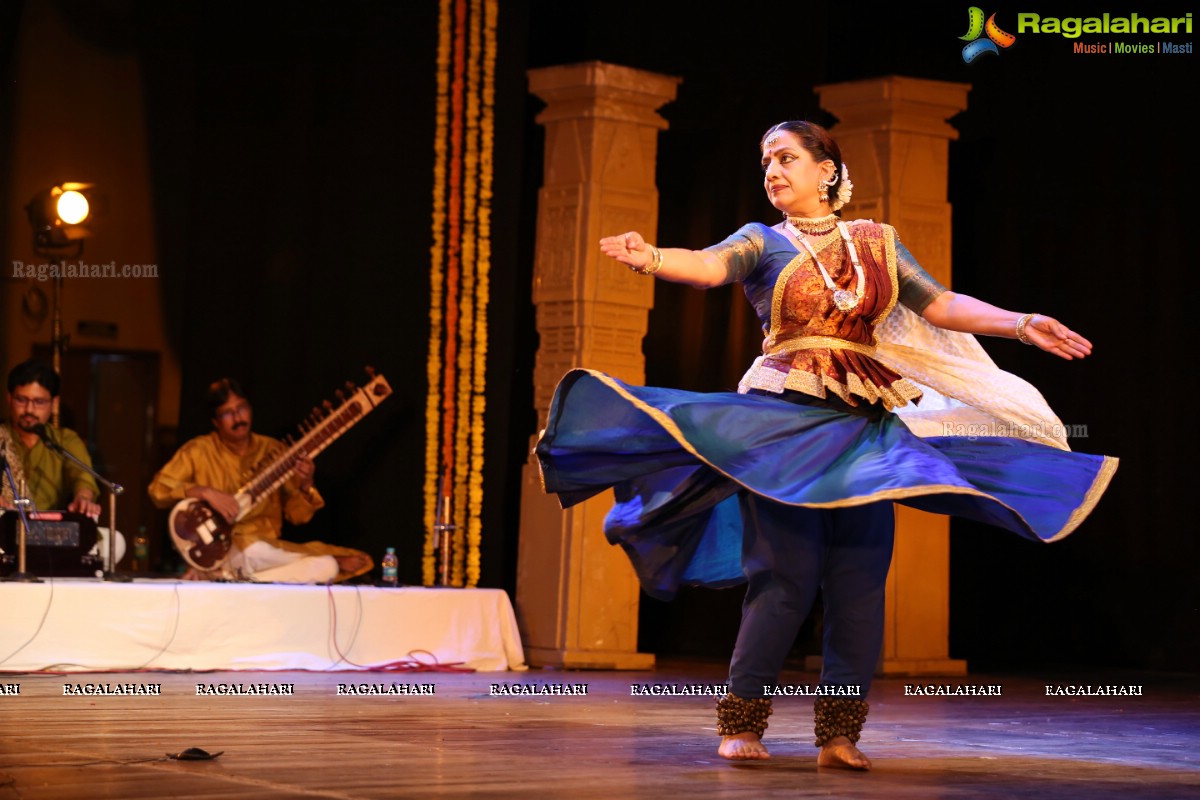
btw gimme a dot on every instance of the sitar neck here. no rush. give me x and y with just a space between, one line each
319 435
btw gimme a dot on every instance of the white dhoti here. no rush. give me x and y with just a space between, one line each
262 563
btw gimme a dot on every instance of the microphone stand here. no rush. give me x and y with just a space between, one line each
20 501
114 489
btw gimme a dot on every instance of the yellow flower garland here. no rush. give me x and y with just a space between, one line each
463 422
478 406
433 368
468 373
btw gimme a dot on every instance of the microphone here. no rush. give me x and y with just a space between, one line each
44 435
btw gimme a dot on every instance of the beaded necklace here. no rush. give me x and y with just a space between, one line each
844 299
813 226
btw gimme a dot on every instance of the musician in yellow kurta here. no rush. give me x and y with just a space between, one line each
212 468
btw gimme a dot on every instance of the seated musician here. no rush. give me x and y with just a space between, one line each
54 482
212 467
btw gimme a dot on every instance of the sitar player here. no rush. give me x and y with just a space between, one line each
212 467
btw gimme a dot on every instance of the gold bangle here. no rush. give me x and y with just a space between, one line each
656 262
1021 323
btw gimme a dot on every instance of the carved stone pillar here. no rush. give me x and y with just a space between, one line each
577 596
895 139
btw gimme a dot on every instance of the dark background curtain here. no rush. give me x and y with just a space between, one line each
292 156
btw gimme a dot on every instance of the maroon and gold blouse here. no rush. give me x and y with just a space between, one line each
810 345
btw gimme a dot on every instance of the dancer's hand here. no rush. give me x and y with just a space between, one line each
1054 337
628 248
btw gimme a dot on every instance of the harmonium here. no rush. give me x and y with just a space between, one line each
58 544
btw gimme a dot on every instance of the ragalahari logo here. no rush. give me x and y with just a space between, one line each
976 27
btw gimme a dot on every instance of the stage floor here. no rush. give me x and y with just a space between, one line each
464 741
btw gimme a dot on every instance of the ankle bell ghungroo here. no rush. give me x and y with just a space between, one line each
838 716
738 715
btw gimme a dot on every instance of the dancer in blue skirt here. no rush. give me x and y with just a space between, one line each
870 390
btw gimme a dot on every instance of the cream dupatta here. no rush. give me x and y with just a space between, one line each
965 393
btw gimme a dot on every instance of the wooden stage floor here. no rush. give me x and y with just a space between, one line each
463 741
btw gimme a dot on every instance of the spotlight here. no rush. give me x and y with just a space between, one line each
72 207
58 216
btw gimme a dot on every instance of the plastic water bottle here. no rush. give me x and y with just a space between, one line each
391 568
141 551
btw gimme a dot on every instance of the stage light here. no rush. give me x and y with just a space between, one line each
57 216
72 207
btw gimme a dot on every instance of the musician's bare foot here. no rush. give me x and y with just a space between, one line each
352 565
194 574
745 746
839 752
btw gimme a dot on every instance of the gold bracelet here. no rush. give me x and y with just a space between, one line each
656 262
1021 323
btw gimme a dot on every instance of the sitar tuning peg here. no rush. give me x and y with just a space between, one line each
370 371
350 387
341 396
328 407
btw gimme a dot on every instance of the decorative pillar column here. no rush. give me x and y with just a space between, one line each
895 138
577 595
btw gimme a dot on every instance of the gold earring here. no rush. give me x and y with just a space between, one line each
823 190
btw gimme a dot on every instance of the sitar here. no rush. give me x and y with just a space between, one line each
204 538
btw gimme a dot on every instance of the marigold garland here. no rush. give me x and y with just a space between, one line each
436 280
462 432
482 293
459 274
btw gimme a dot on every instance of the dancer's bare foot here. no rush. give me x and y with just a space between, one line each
745 746
839 752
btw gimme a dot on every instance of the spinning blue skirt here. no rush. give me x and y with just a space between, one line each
677 461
